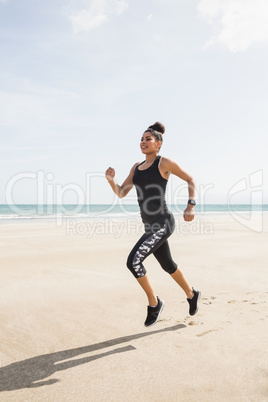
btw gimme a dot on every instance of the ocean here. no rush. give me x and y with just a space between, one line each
99 211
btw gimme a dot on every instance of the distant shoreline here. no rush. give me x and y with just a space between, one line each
61 219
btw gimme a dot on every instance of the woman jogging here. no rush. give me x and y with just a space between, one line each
150 178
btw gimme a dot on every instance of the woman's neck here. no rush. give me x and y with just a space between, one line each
151 158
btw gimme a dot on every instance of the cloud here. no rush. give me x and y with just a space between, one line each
98 13
239 23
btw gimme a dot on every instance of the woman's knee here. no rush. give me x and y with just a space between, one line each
172 268
136 269
129 263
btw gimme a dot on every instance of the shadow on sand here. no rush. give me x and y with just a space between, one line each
29 373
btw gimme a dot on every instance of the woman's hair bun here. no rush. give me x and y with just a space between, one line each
158 127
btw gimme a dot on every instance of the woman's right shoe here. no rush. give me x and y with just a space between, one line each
153 313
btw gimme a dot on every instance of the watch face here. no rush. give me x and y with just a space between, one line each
192 202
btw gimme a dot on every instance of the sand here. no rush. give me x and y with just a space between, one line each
72 315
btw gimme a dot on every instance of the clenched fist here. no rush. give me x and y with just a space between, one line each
188 214
110 173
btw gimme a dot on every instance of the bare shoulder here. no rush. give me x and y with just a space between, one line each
170 166
164 167
166 163
134 167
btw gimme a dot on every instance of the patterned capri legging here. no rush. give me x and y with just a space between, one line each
154 241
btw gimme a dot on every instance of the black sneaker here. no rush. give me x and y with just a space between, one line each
193 302
154 313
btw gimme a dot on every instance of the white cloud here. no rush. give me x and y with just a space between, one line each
98 12
149 17
240 22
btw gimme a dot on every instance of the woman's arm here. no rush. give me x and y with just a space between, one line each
123 190
168 166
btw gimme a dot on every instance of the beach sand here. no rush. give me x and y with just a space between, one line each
72 314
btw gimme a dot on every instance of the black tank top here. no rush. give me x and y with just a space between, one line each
151 189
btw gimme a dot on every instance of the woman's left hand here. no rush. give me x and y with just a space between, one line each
188 213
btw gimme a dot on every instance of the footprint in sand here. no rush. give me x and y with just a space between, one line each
252 301
164 319
207 332
205 300
194 322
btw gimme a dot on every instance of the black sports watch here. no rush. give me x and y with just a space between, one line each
192 202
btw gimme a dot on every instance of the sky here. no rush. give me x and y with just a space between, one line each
82 79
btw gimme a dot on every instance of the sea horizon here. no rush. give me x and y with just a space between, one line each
52 211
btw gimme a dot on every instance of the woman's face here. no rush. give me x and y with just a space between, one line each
149 144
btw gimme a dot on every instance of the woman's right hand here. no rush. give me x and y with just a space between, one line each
110 173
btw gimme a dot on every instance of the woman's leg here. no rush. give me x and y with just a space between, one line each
181 281
163 256
149 242
152 242
146 245
147 287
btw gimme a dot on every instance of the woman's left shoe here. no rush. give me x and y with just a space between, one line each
193 302
154 313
